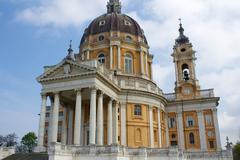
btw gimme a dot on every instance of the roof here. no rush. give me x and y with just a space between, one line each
114 22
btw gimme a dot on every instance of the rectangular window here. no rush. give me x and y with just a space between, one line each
137 110
190 121
48 108
171 122
208 119
173 143
47 114
60 114
211 144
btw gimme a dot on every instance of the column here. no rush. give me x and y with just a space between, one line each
42 121
159 128
100 120
141 62
111 56
151 127
216 126
119 57
109 123
180 131
78 113
202 130
123 124
92 121
70 127
55 117
167 133
64 124
50 121
146 63
83 128
115 123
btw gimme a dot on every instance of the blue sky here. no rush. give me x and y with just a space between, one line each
37 33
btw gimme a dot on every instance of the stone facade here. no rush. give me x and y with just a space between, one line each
105 104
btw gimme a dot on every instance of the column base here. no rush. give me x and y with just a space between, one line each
40 149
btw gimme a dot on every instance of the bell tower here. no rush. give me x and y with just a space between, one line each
186 85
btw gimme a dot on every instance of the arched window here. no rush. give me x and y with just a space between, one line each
101 38
185 71
101 58
191 138
128 38
128 63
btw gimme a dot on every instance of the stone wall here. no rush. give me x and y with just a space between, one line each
6 151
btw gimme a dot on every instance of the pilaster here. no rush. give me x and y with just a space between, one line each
216 126
202 130
151 127
109 123
180 130
123 124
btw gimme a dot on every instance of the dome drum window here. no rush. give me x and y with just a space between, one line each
127 23
102 23
128 38
101 38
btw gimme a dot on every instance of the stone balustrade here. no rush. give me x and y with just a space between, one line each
122 151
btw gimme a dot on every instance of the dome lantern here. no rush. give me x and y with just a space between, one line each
114 6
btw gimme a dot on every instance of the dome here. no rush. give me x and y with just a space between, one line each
114 21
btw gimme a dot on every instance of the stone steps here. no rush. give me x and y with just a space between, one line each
30 156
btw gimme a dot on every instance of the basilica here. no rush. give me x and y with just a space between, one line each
104 104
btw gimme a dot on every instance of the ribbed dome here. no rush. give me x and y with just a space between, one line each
114 22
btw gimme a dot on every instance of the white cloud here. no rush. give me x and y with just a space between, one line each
63 13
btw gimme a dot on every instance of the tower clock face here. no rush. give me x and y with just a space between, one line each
187 90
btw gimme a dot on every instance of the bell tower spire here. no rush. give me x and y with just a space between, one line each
186 86
114 6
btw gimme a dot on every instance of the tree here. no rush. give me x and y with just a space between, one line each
8 140
29 141
236 151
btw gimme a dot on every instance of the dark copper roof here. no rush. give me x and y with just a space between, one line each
113 22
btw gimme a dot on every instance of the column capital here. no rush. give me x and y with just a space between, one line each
100 93
93 88
56 92
44 94
199 111
78 90
179 112
150 107
214 109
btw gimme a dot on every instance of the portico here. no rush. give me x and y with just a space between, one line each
75 101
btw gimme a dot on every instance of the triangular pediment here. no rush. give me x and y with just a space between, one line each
65 69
